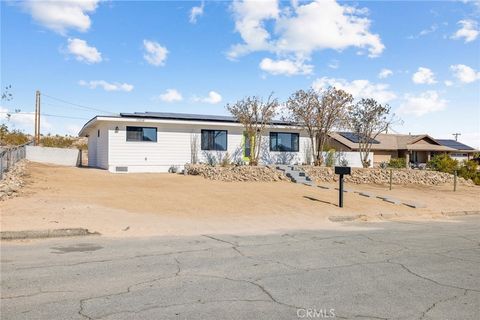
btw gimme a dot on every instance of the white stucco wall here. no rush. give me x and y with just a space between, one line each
59 156
173 147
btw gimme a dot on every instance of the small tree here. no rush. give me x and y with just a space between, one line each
319 113
331 114
367 119
254 114
302 106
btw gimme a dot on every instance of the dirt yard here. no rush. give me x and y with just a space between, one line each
167 204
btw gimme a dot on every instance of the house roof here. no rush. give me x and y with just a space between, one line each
191 117
455 144
396 142
169 116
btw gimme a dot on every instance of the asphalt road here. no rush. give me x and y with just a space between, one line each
394 270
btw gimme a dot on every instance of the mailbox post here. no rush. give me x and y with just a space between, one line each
341 171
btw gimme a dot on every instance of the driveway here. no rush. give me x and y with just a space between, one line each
394 270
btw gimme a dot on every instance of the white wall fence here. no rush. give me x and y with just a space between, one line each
59 156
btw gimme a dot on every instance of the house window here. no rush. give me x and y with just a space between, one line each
284 142
142 134
214 140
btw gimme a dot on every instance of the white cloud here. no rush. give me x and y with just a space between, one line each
22 120
464 73
385 73
302 28
212 98
424 32
154 54
469 30
60 16
448 83
334 64
285 67
196 12
107 86
83 52
424 76
425 102
358 88
171 95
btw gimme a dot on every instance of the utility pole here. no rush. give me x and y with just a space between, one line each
37 118
456 135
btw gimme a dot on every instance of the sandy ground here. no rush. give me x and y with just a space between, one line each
168 204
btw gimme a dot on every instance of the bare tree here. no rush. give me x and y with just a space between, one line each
331 114
193 148
303 106
367 119
254 114
319 113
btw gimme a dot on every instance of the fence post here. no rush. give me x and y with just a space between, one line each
455 180
391 174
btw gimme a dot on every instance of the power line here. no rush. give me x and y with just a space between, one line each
76 104
45 114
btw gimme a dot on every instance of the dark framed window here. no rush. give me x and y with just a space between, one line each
142 134
284 141
214 140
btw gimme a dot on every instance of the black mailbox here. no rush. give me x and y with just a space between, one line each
343 170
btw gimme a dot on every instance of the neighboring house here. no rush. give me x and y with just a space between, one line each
154 142
462 151
414 148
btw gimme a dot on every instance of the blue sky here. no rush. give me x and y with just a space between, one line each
423 58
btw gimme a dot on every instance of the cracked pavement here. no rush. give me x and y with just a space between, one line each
363 270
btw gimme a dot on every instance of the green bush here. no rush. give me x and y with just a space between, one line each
330 160
443 163
476 179
397 163
468 170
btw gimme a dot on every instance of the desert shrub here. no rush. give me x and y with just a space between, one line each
397 163
343 162
468 170
210 158
57 141
476 179
330 160
383 165
225 161
443 163
12 137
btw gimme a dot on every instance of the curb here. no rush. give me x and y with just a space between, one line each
343 218
394 215
460 213
48 233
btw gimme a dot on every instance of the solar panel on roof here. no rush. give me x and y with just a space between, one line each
454 144
191 117
353 137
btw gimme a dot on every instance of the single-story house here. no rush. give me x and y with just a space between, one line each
415 149
156 142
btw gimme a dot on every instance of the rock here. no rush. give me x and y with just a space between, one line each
382 176
13 180
236 173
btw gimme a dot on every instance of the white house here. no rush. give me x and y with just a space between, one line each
154 142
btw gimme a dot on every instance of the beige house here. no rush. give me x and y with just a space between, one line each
415 149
